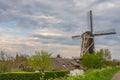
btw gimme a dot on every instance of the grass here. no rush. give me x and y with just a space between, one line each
105 74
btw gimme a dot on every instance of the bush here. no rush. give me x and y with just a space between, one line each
100 59
92 61
41 61
33 75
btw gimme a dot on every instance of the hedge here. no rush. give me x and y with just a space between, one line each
33 75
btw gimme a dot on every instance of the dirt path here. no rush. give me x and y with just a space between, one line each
116 76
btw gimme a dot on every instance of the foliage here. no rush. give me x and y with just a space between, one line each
4 66
90 61
20 58
105 74
99 59
115 63
41 61
9 63
21 63
104 54
33 75
99 75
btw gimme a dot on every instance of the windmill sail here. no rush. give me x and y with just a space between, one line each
91 21
106 32
77 36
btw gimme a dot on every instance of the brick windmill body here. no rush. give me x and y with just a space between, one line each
87 45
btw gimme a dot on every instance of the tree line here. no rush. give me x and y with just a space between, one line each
42 61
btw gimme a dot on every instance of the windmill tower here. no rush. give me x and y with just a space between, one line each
87 45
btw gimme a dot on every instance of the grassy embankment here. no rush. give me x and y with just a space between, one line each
105 74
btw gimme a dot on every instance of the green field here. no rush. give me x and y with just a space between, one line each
105 74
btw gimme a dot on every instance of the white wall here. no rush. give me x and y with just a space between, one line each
76 72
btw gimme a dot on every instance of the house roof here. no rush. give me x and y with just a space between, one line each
65 64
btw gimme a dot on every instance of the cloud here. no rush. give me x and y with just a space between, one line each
54 40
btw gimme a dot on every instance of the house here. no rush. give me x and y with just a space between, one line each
67 64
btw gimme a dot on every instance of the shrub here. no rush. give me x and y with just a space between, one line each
41 61
96 60
92 61
33 75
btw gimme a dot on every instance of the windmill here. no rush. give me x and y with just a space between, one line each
87 45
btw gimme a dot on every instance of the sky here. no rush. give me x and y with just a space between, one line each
27 26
